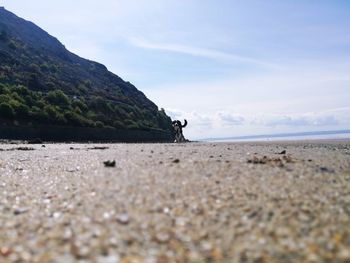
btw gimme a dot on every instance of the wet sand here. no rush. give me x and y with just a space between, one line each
194 202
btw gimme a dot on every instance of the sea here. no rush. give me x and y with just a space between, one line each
300 136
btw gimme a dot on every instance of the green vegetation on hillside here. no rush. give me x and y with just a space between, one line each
56 108
41 82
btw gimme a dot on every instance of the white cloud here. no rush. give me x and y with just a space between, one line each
304 120
199 52
230 119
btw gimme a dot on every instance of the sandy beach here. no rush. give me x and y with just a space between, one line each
194 202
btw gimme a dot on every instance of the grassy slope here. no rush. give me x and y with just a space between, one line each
42 82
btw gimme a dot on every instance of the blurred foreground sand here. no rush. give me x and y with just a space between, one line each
195 202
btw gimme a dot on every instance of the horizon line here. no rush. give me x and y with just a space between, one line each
277 135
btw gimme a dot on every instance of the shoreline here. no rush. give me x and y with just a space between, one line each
39 141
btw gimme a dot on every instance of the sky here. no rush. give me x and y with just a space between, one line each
230 67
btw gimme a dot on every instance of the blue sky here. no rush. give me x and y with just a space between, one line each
230 67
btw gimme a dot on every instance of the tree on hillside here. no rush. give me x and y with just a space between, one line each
57 97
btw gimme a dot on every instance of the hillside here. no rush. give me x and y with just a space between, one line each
41 82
